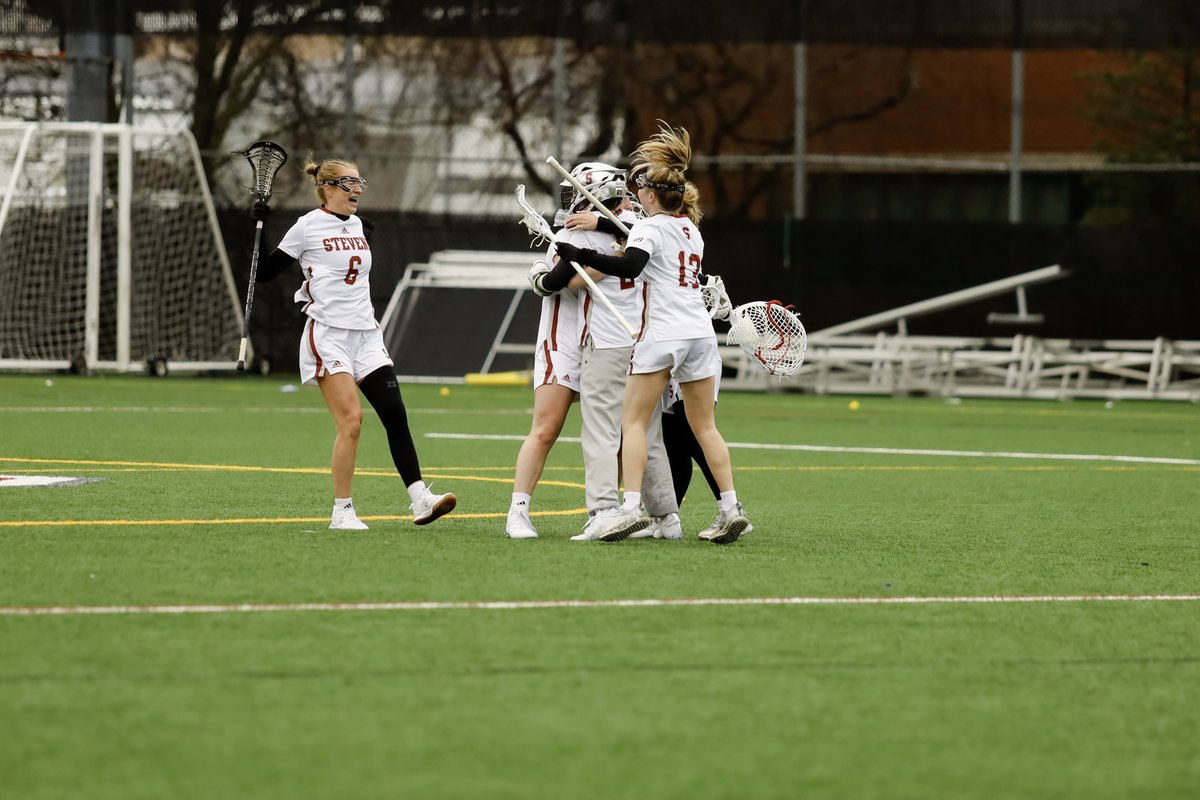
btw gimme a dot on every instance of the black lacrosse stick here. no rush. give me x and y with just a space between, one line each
265 159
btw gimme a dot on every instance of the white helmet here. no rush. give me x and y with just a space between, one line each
604 181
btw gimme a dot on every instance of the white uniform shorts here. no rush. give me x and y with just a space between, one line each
556 366
325 350
688 359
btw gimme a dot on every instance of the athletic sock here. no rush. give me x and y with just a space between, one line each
633 500
728 501
415 490
520 499
342 502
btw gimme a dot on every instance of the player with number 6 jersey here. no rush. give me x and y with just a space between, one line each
341 348
335 257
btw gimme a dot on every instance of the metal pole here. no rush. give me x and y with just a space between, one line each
1017 122
560 97
349 123
800 134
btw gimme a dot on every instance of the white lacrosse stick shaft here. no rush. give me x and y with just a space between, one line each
582 272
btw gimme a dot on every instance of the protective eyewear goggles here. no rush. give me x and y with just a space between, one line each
642 182
346 183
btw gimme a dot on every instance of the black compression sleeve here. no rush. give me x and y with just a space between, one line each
557 279
274 265
383 393
606 225
629 265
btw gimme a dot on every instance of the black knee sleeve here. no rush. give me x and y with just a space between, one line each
382 391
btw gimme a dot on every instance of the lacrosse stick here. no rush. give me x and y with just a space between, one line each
771 334
265 159
541 231
534 222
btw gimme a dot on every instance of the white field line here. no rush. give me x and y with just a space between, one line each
894 451
520 605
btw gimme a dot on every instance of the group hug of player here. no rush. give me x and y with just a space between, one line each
644 368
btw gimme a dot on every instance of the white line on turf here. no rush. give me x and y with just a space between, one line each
895 451
510 605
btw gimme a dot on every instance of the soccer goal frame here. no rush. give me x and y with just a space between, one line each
111 255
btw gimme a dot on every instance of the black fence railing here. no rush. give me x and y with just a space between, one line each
1100 24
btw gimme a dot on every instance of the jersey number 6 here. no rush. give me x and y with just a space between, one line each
352 272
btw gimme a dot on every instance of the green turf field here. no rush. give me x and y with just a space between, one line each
198 652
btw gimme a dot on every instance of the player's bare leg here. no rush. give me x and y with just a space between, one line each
642 392
550 406
697 399
341 396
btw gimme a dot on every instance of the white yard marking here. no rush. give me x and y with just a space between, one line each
894 451
22 481
521 605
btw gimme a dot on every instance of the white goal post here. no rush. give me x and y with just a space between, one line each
111 257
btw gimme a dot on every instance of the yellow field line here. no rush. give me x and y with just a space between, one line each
165 466
50 523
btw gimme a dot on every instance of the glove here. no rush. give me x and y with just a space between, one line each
536 273
572 253
368 227
261 211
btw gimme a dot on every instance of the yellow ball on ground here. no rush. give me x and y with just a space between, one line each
444 391
854 405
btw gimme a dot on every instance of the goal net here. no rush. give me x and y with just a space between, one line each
110 252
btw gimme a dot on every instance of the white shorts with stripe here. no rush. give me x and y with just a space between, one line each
325 350
688 359
556 366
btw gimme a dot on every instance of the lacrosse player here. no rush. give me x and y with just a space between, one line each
666 250
341 349
556 362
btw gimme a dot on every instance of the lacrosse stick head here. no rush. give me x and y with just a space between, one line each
533 221
716 299
265 159
771 334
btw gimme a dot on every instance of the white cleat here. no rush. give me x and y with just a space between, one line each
592 521
618 526
518 525
430 506
344 519
730 526
708 532
667 527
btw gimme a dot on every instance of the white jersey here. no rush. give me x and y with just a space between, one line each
674 305
336 260
558 327
627 296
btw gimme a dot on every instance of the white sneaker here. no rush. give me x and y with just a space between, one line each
730 525
708 532
615 527
518 525
344 519
666 527
430 506
593 520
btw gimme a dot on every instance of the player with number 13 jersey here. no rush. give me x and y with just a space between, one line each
674 305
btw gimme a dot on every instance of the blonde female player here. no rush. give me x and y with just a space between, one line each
666 250
341 349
